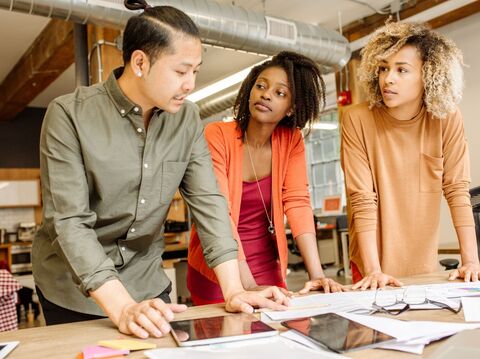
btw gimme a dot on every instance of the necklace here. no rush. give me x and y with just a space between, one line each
271 228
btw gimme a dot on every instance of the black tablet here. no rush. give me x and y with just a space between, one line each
219 329
337 333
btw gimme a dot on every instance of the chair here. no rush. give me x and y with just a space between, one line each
450 263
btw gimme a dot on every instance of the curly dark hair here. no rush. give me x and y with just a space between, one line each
306 86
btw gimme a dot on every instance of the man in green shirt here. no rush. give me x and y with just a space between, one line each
112 157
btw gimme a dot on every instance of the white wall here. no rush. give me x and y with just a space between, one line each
465 34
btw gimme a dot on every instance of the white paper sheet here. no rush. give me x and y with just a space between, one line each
274 347
471 309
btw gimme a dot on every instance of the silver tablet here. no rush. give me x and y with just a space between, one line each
6 348
225 328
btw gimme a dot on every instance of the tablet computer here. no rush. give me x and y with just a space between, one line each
220 329
6 348
337 333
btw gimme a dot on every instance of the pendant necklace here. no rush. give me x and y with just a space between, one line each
271 228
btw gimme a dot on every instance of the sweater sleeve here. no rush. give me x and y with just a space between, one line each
358 176
219 152
296 198
456 171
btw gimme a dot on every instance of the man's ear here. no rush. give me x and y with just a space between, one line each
139 63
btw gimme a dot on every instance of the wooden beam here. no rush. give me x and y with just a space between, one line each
49 56
455 15
367 25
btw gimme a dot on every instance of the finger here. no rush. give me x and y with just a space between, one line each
262 302
335 288
163 308
467 276
279 296
374 286
367 284
157 318
475 276
382 283
235 304
146 323
285 291
358 284
454 275
137 330
306 288
394 281
326 286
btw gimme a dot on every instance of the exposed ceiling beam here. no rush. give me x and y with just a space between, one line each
441 14
47 58
367 25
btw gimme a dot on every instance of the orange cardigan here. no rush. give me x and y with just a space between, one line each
289 187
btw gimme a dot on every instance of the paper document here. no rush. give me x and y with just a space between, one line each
273 347
471 309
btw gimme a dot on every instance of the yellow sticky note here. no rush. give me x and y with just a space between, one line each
129 344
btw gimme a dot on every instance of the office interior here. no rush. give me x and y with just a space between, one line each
44 56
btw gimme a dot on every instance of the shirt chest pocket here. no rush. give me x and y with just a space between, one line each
172 174
431 173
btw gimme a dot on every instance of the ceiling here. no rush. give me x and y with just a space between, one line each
218 63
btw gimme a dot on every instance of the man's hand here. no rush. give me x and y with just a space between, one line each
328 285
468 271
148 318
376 280
245 301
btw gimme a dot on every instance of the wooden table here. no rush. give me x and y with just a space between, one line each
67 340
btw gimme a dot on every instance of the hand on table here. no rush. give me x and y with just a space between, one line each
148 318
245 301
376 280
468 271
328 285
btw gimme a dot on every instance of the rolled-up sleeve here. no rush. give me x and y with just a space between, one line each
68 219
296 198
207 204
358 177
456 171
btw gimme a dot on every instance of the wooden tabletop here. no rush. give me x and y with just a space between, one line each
67 340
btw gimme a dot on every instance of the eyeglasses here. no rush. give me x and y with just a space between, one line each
395 303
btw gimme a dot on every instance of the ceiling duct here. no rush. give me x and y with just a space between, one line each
220 25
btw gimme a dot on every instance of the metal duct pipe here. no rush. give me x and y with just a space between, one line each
220 25
219 102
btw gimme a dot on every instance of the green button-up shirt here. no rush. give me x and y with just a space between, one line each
107 184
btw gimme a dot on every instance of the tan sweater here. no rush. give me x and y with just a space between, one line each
395 172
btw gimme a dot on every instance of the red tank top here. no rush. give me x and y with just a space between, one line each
258 245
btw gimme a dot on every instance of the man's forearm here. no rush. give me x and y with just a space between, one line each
112 297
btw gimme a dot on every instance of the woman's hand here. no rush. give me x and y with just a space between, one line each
328 285
469 271
376 280
148 318
245 301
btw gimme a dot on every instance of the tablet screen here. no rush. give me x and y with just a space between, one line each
219 329
6 348
337 333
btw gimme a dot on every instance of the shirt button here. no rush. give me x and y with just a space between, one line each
123 248
132 230
135 109
122 111
145 165
139 130
142 201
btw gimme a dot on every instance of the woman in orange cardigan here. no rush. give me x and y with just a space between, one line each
259 160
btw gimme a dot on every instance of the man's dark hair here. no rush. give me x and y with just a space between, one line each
152 30
306 86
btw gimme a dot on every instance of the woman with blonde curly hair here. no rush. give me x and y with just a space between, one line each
400 151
